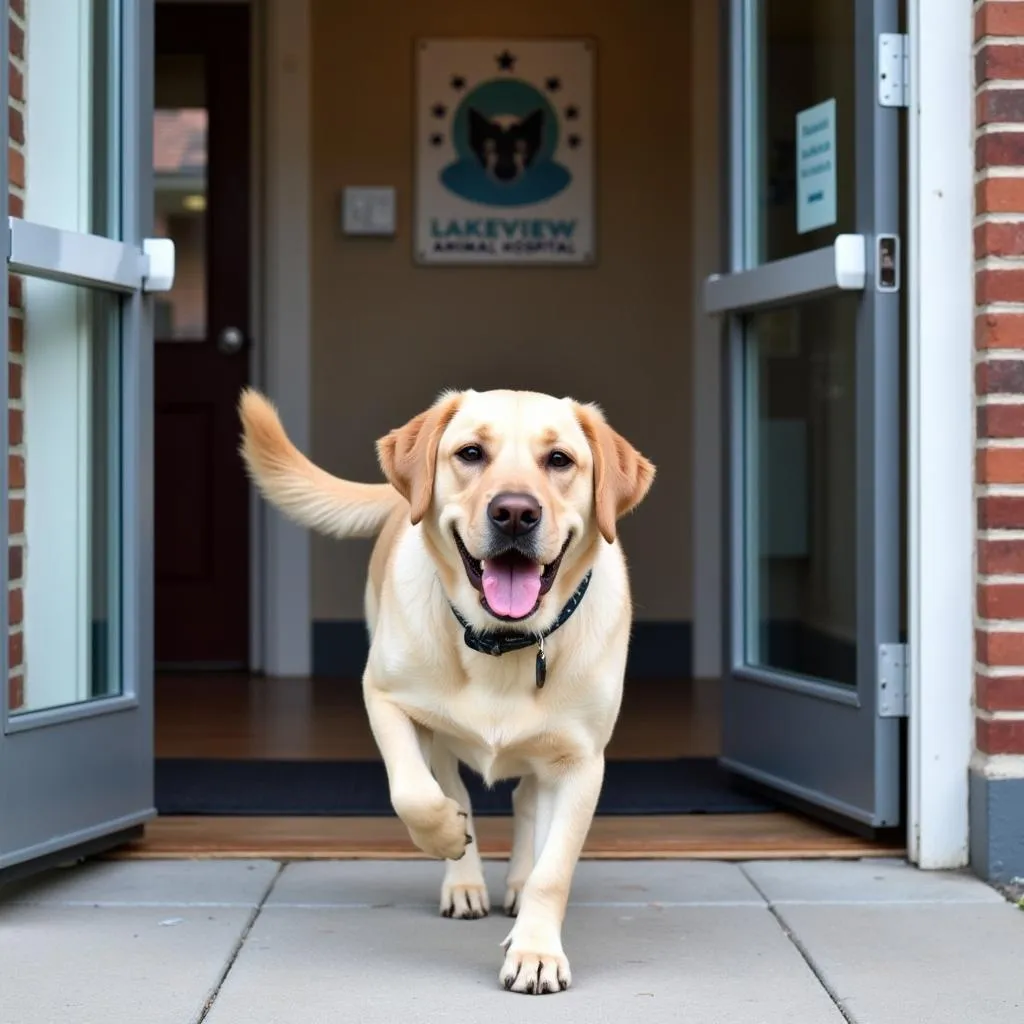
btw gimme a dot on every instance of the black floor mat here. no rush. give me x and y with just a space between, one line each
690 785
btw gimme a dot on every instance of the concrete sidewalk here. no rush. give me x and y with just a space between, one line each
257 942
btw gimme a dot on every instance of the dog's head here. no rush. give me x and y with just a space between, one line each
506 147
515 490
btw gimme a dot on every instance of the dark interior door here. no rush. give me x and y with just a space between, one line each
202 189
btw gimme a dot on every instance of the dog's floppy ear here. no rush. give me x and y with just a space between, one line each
622 476
408 455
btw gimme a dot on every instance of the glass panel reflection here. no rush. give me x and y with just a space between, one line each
65 100
806 58
64 496
800 489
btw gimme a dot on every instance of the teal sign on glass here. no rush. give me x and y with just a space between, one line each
816 167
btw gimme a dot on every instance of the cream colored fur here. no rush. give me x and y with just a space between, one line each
431 700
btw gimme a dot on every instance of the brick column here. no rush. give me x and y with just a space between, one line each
997 783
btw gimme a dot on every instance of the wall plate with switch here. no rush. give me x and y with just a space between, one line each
368 211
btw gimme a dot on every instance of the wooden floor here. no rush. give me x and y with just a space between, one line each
684 837
241 716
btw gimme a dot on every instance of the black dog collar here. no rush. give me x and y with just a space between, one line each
497 643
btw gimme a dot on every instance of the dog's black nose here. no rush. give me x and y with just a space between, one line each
514 514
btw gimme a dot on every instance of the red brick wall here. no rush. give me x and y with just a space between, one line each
999 375
15 369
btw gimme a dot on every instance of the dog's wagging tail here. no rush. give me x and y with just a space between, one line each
303 491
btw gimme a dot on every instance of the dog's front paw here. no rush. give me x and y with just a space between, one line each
535 968
439 830
465 901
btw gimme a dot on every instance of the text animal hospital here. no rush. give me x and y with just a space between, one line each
496 235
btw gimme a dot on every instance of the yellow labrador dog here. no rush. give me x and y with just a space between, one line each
499 611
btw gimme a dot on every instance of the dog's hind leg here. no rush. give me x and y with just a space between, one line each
464 892
524 822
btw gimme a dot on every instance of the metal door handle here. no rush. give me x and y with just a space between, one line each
230 340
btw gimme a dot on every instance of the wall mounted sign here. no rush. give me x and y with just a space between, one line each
504 151
816 167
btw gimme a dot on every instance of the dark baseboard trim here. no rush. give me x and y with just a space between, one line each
658 650
996 826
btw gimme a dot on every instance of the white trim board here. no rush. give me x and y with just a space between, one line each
940 294
286 319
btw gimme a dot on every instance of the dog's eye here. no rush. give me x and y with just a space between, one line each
559 460
470 453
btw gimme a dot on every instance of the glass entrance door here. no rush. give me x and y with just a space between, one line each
811 314
76 757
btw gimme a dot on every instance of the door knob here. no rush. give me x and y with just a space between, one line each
230 340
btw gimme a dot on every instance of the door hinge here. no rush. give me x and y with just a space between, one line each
893 697
894 69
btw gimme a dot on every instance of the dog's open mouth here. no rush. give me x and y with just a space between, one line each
511 584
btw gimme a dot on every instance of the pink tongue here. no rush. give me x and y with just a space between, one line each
511 589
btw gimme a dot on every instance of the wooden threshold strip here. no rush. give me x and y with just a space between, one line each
684 837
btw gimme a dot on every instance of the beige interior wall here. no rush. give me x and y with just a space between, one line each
388 335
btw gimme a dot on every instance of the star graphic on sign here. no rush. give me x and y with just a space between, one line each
436 139
571 113
553 84
506 61
438 110
458 83
574 141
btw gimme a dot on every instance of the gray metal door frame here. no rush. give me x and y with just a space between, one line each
826 746
76 776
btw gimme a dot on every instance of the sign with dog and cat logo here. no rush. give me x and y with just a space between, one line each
504 151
